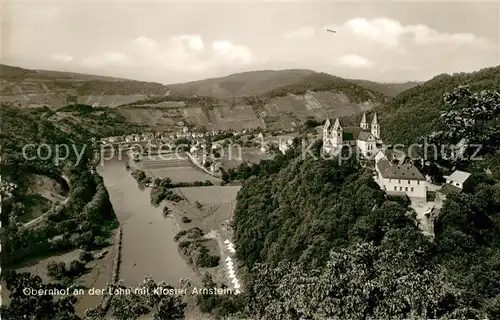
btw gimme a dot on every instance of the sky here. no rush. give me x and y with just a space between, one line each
171 42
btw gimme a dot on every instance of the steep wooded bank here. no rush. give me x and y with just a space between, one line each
319 240
84 220
416 112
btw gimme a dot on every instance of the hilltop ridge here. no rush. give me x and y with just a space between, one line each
36 88
275 99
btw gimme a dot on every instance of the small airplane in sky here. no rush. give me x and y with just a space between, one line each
330 30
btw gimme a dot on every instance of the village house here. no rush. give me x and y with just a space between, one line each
457 178
283 142
365 137
398 178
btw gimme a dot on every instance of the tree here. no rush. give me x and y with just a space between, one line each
134 304
360 282
36 306
76 268
470 119
86 256
224 175
56 270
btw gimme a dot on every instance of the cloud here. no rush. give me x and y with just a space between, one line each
187 54
302 32
194 42
182 53
62 57
232 54
107 59
354 61
392 33
179 53
424 35
144 42
382 30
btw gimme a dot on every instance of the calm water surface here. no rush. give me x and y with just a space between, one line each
148 247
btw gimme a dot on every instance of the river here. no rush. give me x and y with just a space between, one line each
148 246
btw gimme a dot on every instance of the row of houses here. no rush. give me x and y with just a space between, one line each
163 136
185 133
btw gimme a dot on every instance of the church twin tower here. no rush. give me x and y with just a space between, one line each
375 129
333 136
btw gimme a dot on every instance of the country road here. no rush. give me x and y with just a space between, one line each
41 218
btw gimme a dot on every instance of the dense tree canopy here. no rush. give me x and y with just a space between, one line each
83 220
320 240
35 306
309 207
327 82
416 112
360 282
144 299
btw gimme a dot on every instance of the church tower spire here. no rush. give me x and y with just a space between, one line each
337 134
364 123
326 127
375 127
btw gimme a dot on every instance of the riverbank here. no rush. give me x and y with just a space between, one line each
106 300
210 209
148 246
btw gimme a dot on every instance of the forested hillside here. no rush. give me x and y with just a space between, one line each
240 84
327 82
35 224
415 112
388 89
88 205
309 207
319 240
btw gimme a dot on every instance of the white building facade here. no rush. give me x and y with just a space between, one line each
398 179
457 178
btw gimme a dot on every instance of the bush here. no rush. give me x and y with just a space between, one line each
184 244
76 268
56 270
86 256
179 235
185 220
166 211
205 259
101 242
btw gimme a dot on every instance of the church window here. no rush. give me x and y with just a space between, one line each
406 188
399 181
338 134
395 188
412 189
418 182
409 181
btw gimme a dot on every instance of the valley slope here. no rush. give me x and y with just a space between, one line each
37 88
278 100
